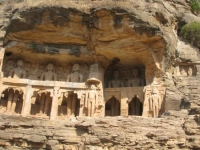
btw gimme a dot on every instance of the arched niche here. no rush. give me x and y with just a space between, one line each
112 107
41 103
135 107
12 101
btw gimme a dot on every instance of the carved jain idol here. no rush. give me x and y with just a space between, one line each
75 76
92 100
13 96
115 82
190 71
45 97
18 71
135 80
49 74
154 103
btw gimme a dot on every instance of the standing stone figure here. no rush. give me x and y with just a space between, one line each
154 103
135 80
115 82
82 102
190 71
49 74
92 100
45 97
75 76
13 95
183 72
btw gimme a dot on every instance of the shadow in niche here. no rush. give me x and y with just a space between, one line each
11 101
41 104
135 107
62 109
112 107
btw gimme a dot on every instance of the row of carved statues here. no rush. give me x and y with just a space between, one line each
48 75
90 103
185 71
76 76
133 81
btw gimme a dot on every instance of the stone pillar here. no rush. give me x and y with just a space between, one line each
2 51
27 101
124 104
54 106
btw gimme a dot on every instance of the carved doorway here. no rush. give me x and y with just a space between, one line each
12 101
135 107
73 105
112 107
62 108
41 106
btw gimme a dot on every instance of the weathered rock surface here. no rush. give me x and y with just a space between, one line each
174 131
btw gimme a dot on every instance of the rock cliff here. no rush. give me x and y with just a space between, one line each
127 32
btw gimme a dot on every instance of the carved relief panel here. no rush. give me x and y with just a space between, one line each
186 70
153 102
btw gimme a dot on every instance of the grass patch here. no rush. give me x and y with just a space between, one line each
191 33
195 5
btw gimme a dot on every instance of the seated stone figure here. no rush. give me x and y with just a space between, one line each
45 98
135 80
75 76
49 74
115 82
13 95
18 71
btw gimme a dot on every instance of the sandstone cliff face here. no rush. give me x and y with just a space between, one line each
85 133
143 33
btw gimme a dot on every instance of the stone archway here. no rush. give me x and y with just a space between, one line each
112 107
135 107
12 100
41 104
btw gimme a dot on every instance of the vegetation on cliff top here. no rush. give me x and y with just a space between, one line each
191 33
195 5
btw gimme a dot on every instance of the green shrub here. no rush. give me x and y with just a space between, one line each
191 32
195 5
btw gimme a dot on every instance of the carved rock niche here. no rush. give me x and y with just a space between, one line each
185 70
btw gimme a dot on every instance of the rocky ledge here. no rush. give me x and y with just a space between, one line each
172 131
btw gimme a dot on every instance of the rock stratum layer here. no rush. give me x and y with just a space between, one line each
84 133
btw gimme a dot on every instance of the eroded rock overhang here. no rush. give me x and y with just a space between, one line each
64 36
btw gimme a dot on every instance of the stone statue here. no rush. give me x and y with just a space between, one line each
183 72
115 82
82 102
154 103
75 76
49 74
135 80
13 95
92 100
18 71
45 97
190 71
